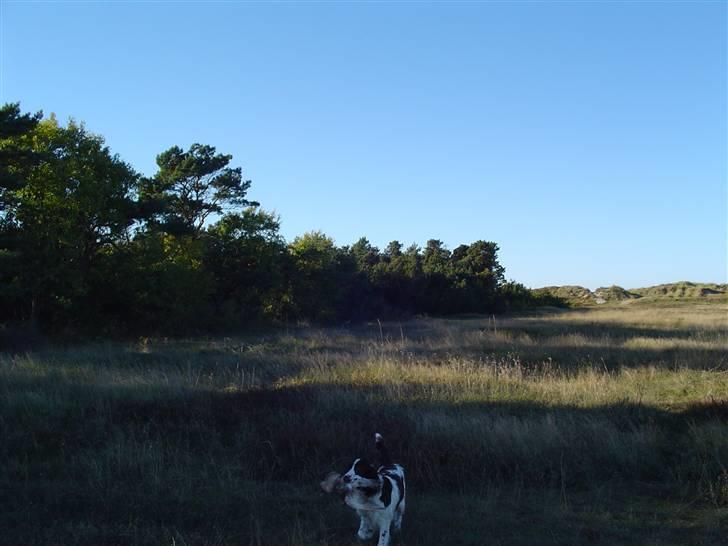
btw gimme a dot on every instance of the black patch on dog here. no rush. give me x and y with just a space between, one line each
386 492
365 470
400 485
368 491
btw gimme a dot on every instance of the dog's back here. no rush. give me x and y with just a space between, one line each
393 485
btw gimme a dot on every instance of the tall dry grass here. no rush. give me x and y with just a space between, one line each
583 417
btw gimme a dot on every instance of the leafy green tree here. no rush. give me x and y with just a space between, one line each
75 205
157 283
393 251
16 155
246 256
412 262
192 185
478 259
513 295
186 268
16 160
314 286
477 275
395 280
366 255
436 258
436 294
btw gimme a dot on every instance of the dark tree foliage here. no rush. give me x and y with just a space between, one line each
315 287
192 185
74 206
248 261
16 154
16 160
88 246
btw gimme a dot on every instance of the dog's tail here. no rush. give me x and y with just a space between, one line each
382 448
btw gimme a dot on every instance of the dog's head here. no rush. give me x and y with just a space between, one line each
357 485
361 474
365 486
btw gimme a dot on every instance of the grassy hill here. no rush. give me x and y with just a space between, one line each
614 293
573 295
683 289
689 291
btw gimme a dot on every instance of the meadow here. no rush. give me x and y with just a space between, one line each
603 425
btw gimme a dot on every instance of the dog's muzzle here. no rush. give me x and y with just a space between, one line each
334 483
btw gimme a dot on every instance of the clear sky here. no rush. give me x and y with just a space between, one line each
587 139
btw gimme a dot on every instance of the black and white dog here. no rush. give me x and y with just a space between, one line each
377 494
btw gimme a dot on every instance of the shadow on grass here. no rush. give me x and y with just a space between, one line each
109 466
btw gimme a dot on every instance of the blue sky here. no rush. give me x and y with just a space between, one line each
587 139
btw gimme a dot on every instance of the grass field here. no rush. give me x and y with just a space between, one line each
605 425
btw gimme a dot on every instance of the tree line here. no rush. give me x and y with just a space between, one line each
89 245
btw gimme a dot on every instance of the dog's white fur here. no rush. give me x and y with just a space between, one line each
378 496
